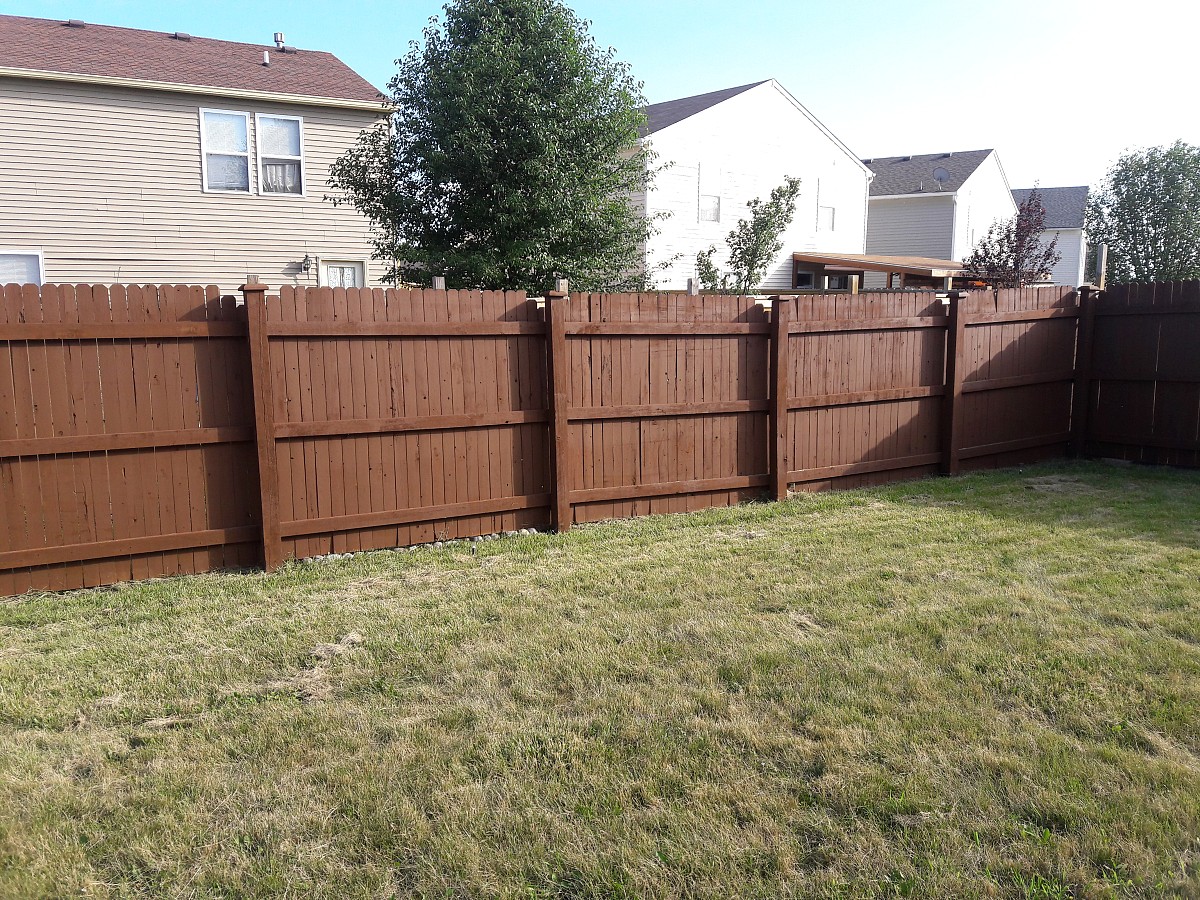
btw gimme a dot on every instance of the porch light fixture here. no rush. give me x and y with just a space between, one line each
306 263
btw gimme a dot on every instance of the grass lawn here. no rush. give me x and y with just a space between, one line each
982 686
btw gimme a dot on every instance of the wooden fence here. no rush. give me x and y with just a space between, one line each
159 430
126 435
1143 377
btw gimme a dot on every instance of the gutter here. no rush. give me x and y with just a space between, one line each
911 196
376 106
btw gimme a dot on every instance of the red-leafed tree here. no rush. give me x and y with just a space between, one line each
1014 253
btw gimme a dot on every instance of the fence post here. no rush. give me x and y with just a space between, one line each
781 317
559 397
952 402
264 423
1081 396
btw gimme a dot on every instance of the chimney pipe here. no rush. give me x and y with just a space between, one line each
279 41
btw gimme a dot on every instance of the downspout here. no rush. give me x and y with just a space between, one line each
953 225
866 212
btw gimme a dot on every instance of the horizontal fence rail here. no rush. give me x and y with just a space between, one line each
148 431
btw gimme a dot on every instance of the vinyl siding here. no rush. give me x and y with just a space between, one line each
106 182
739 150
1072 244
911 226
983 199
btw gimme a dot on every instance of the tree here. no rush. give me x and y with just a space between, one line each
511 156
1012 253
752 244
1147 210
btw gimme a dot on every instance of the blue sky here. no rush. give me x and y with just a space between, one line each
1058 87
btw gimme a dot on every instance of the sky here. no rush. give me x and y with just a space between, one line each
1060 88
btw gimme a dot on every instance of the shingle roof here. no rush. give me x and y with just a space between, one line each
660 115
50 45
914 174
1064 205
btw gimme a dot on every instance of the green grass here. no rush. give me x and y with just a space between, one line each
985 686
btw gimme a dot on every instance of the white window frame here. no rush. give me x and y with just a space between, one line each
324 262
832 218
250 182
700 210
28 251
258 117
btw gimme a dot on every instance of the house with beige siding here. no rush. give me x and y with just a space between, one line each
725 148
146 157
937 205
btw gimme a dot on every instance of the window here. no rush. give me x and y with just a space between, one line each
839 282
826 218
342 274
710 208
225 150
280 154
20 266
803 281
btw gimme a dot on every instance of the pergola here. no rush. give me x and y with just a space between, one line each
902 271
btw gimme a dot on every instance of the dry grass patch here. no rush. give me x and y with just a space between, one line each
986 686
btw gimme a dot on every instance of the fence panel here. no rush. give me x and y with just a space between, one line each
129 416
866 384
126 439
1018 364
667 402
405 416
1144 386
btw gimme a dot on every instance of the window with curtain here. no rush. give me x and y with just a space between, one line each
20 267
343 274
280 154
225 141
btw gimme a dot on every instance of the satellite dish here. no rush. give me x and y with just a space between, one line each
940 175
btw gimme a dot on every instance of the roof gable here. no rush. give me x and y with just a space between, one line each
103 51
896 175
1064 205
663 115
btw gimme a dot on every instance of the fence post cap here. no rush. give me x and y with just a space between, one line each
253 286
556 295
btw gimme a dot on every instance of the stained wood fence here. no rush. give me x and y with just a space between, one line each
1143 378
148 431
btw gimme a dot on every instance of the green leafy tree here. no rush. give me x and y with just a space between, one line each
512 156
1147 210
752 244
1014 253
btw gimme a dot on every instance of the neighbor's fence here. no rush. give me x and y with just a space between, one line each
1143 380
150 431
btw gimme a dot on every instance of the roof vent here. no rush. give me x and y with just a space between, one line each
869 161
905 158
75 23
950 155
182 36
266 58
279 41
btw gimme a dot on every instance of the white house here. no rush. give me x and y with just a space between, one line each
935 205
1064 220
728 147
146 157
